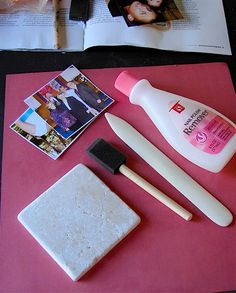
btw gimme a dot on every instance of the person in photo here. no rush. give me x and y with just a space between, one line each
145 11
61 116
71 92
90 97
76 108
166 9
136 12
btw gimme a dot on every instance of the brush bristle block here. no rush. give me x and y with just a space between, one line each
106 155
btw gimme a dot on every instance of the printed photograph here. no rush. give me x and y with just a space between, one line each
37 132
144 12
69 102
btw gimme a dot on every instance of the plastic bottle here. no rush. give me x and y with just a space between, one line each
199 133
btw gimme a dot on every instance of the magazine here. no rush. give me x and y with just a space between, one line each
202 28
60 111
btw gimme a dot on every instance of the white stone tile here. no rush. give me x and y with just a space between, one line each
78 220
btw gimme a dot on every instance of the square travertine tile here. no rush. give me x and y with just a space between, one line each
78 220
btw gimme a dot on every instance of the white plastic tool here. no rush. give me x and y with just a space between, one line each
192 190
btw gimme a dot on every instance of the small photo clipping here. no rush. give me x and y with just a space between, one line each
69 102
31 127
145 12
60 111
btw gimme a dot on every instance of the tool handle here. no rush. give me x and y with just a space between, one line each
164 199
192 190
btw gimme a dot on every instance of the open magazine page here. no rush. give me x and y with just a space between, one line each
203 29
29 30
103 29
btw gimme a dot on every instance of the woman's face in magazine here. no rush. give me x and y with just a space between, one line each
154 3
138 11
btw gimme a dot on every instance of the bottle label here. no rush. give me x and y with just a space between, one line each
202 128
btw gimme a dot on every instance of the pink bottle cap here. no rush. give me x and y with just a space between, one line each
125 82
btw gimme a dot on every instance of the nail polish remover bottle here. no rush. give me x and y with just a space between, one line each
199 133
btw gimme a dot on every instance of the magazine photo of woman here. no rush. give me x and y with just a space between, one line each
145 11
166 9
137 12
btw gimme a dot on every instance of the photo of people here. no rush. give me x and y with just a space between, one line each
69 102
144 11
36 131
60 111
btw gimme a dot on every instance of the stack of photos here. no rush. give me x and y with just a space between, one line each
60 111
144 11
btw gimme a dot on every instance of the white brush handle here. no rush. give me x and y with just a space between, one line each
192 190
164 199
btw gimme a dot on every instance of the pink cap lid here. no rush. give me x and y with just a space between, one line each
125 82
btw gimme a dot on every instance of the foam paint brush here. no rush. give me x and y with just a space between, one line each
114 161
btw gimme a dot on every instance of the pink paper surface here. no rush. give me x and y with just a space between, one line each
164 253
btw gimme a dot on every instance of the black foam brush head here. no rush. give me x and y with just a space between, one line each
106 155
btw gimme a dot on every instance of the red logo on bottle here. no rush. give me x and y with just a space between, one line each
201 137
178 108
